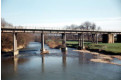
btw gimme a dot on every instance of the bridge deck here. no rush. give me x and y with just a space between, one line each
54 31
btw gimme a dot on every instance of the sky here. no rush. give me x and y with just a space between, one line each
59 13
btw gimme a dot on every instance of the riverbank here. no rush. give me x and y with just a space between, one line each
11 49
54 44
112 49
22 40
106 48
101 58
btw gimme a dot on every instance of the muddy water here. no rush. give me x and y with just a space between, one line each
72 65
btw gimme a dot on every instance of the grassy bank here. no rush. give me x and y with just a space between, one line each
74 44
113 48
105 47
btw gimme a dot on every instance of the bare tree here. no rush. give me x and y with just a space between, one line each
81 27
87 25
93 26
99 28
5 24
73 26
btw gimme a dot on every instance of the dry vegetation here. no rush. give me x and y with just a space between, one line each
54 44
7 41
7 38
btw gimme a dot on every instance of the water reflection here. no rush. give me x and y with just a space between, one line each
43 60
81 58
85 58
64 54
64 60
15 63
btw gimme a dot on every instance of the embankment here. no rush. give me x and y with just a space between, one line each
7 41
112 49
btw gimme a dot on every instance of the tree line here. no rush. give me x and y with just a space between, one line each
84 26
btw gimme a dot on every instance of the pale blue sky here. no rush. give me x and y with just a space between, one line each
105 13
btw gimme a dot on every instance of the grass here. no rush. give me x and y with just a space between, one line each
114 47
71 42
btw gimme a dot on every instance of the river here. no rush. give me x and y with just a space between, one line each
72 65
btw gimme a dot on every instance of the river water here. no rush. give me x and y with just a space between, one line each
56 65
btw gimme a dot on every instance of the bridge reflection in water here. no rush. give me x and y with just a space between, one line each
63 61
16 64
64 54
83 58
43 61
17 60
61 65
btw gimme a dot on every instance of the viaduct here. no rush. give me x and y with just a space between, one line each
107 36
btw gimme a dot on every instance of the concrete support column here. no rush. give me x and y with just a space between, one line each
119 38
96 38
42 42
108 38
81 41
15 50
111 38
83 47
93 38
64 42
